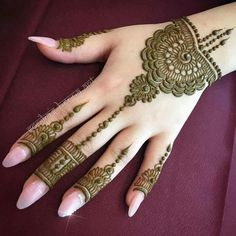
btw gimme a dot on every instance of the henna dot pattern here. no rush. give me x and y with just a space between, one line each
149 177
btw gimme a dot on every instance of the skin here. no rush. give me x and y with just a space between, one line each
159 122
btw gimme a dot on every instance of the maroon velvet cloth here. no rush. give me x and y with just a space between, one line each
196 193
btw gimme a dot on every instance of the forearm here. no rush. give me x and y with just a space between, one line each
223 17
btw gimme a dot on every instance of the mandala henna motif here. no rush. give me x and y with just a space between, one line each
177 61
149 177
67 44
37 138
98 178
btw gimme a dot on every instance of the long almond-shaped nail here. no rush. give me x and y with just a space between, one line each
135 203
31 193
71 203
49 42
15 156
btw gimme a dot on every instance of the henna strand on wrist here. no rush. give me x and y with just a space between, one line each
149 177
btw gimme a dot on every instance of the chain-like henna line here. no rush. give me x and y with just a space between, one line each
67 44
61 162
37 138
149 177
98 177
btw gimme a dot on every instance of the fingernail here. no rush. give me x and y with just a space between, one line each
135 203
31 193
70 204
15 156
49 42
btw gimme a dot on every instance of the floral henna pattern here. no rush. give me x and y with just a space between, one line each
149 177
98 177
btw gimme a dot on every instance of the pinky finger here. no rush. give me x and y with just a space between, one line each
156 154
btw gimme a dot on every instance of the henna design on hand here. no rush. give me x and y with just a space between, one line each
149 177
98 177
176 60
39 137
67 44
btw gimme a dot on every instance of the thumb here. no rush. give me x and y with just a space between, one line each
85 48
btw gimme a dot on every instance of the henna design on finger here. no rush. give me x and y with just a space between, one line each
67 44
98 177
61 162
40 136
149 177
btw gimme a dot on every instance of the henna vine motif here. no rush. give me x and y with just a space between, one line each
67 44
98 177
149 177
37 138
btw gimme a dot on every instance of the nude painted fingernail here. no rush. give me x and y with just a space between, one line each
15 156
70 204
31 193
135 203
49 42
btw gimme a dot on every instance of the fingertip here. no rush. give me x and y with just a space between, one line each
135 203
31 193
15 156
49 42
71 202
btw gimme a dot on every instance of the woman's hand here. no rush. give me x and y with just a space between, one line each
153 77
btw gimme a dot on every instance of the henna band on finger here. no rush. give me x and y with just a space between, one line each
97 178
61 162
39 137
67 44
149 177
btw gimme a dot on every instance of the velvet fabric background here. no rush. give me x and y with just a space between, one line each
196 193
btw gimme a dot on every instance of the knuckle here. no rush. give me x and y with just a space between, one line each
110 83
